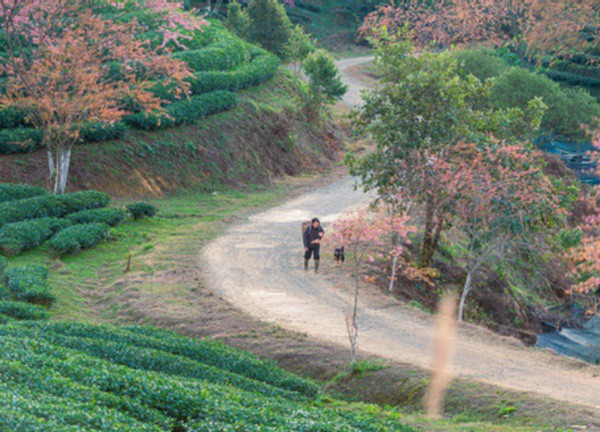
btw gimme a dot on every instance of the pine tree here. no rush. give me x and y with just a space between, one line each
270 26
238 20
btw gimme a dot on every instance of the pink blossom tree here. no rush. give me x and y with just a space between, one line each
361 233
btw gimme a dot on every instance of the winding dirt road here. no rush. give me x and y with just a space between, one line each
257 266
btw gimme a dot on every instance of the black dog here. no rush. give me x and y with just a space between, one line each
339 255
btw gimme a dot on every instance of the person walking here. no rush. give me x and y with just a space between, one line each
313 235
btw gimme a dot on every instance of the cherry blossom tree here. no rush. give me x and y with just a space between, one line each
59 65
554 28
362 233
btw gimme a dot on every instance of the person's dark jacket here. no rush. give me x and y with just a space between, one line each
311 234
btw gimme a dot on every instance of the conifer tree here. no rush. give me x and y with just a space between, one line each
270 26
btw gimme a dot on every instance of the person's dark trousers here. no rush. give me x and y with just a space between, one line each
314 252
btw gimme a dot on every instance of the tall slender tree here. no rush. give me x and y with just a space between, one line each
270 26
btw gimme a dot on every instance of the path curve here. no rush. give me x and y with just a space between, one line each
257 266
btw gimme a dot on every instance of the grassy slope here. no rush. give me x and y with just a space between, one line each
265 136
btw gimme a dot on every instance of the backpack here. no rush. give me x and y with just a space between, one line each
305 225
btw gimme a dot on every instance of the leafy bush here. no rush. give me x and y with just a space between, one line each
141 210
3 276
12 117
20 140
256 71
567 109
184 111
13 192
23 311
481 63
78 237
22 236
110 217
96 132
222 56
30 284
51 206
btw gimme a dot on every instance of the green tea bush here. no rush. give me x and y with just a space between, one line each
23 311
141 210
73 366
481 63
96 132
13 117
20 140
184 111
22 236
108 216
4 319
221 56
51 206
259 69
30 284
77 238
3 276
13 192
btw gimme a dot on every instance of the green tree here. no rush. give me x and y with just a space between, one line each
237 19
325 85
299 47
420 111
270 26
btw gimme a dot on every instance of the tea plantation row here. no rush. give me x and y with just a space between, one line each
68 223
222 64
71 376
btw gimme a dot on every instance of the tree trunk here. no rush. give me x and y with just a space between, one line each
426 247
394 264
59 168
354 339
463 296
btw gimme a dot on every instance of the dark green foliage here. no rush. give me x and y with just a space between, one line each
12 192
480 62
259 69
222 56
30 284
23 311
109 379
25 235
141 210
270 26
184 111
567 109
51 206
20 140
96 132
238 20
77 238
3 276
12 117
110 217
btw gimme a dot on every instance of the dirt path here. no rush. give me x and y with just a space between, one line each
257 266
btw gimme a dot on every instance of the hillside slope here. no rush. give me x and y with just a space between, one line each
264 136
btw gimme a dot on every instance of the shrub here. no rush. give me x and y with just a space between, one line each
110 217
185 111
270 26
567 109
23 311
78 237
5 319
12 117
222 56
13 192
141 210
260 68
30 284
96 132
3 276
20 140
481 63
22 236
51 206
